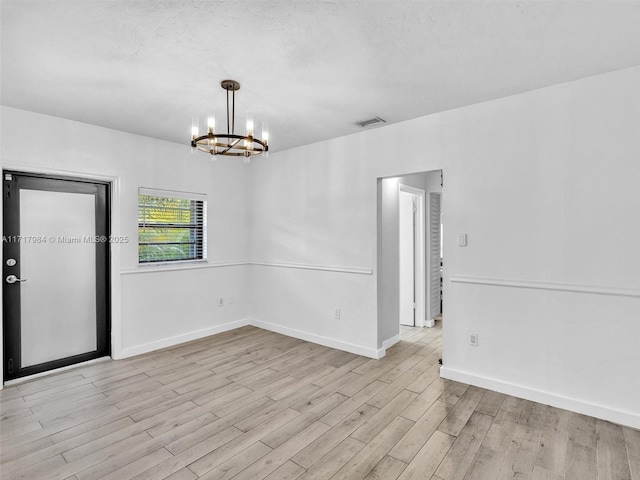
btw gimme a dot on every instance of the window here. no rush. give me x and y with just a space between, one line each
172 226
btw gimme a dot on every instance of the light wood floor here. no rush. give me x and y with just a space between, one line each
251 404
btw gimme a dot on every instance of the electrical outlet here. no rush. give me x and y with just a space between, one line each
221 302
336 314
473 339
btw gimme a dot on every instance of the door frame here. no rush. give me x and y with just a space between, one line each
418 256
115 251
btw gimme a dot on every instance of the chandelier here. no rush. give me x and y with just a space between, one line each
229 143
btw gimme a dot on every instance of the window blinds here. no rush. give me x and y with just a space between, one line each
172 226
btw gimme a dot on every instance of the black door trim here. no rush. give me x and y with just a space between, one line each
11 293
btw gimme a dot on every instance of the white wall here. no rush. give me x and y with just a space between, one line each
316 206
154 308
545 184
547 187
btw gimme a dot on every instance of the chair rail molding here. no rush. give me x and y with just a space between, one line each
151 268
536 285
328 268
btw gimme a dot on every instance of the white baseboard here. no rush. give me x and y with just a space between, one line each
291 332
187 337
327 342
430 323
620 417
390 342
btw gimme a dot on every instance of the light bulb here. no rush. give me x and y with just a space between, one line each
249 131
265 138
211 123
195 125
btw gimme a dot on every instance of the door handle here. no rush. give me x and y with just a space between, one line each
14 279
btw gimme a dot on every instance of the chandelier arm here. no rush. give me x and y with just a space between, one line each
230 146
233 112
233 137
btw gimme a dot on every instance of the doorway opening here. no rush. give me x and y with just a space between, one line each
56 272
409 253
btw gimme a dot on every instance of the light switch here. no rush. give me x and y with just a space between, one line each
462 239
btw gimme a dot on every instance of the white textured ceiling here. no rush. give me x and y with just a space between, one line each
312 68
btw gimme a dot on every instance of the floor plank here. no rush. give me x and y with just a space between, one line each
552 454
281 454
387 469
429 457
582 430
238 445
374 451
632 444
384 417
581 462
490 403
334 460
238 462
419 433
613 463
459 415
315 451
464 449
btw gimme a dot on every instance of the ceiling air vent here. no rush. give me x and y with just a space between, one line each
370 122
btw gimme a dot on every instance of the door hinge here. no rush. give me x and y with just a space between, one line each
7 186
10 366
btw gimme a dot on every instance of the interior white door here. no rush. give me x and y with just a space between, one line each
58 300
434 254
406 236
